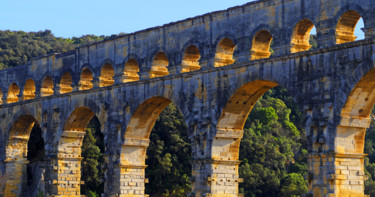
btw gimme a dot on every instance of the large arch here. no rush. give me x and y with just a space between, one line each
350 134
86 80
13 92
159 67
346 26
106 75
66 83
229 132
131 71
69 152
47 87
190 60
301 36
136 141
261 45
17 171
224 53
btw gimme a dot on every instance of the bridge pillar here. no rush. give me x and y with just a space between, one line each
15 171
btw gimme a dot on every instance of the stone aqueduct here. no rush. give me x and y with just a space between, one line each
213 67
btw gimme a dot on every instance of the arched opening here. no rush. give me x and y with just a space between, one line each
131 71
159 67
157 130
47 87
29 91
301 36
190 61
346 26
66 83
224 53
80 152
260 126
13 93
25 159
261 45
85 82
357 117
1 97
106 75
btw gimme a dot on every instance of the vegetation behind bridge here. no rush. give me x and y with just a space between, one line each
273 150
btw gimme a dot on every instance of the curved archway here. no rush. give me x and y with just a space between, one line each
29 91
159 67
66 82
69 151
1 97
24 151
224 53
131 71
13 92
261 45
47 87
106 75
301 36
190 61
351 131
86 80
133 152
346 26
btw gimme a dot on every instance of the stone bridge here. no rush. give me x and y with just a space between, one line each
214 68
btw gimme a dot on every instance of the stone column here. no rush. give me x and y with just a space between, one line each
132 168
217 175
15 174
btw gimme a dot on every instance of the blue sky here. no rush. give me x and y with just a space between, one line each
68 18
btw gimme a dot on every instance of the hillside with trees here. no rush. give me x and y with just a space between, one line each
273 150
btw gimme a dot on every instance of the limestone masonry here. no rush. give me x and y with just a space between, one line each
214 68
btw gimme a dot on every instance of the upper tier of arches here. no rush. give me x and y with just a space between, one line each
194 56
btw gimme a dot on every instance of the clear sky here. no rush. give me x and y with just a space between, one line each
68 18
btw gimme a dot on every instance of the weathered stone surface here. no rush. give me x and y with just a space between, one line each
210 66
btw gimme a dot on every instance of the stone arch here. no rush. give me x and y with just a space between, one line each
13 92
29 90
261 45
224 53
301 36
136 141
66 83
47 87
16 155
190 60
345 27
86 79
69 152
131 71
1 97
106 75
159 66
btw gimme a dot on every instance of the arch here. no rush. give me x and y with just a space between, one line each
69 151
1 97
29 90
261 45
66 83
106 75
301 36
190 60
131 71
86 80
47 87
13 92
224 53
159 67
346 26
133 151
16 155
